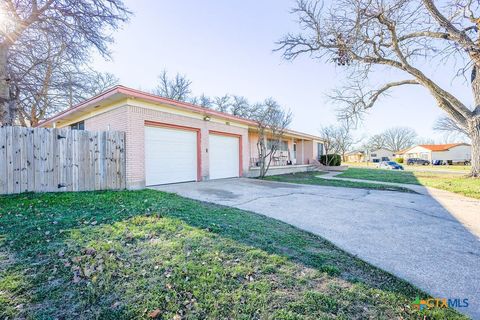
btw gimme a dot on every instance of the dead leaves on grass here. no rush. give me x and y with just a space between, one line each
154 314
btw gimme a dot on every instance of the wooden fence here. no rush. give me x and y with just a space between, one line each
47 160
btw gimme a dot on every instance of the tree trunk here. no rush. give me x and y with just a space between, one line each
473 124
474 133
4 87
261 155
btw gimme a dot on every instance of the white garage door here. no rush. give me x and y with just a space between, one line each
170 155
224 156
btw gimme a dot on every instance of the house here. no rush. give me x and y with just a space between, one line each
376 155
449 153
169 141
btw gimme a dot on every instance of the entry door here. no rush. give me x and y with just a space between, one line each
224 155
170 155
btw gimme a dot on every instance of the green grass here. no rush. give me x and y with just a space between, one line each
456 183
311 178
140 254
459 168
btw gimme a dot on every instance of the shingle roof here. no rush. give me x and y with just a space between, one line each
129 92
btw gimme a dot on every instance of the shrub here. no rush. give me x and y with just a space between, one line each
399 160
333 160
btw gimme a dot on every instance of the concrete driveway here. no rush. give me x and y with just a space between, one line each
410 235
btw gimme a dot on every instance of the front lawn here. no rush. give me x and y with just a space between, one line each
312 178
451 182
148 254
457 168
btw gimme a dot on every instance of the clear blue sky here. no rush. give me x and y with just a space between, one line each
226 47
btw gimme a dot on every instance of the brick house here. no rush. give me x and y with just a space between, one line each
169 141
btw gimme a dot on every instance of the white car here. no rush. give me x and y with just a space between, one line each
389 165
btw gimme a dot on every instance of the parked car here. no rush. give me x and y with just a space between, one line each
439 163
417 161
389 165
450 162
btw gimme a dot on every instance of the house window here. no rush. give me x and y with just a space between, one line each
373 155
78 126
319 150
281 145
294 151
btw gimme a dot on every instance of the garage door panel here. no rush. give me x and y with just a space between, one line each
170 155
224 153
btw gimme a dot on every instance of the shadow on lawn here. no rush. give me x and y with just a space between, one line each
113 255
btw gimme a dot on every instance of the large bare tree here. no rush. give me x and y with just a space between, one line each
47 79
398 138
78 25
404 35
375 142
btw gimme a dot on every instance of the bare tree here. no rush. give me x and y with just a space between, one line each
424 140
363 35
399 138
344 139
451 131
205 101
240 107
338 139
222 103
375 142
448 125
176 88
328 134
77 25
47 79
272 121
56 90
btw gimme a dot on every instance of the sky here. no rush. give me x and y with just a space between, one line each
227 47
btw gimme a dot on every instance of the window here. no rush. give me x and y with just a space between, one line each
373 155
78 126
320 149
281 145
294 151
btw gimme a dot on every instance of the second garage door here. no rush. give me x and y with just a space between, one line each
224 153
170 155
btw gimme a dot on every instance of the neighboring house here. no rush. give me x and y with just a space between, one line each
452 152
169 141
369 155
400 154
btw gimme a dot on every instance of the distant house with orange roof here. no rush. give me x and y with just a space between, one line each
451 152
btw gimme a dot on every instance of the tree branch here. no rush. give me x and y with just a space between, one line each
453 32
386 87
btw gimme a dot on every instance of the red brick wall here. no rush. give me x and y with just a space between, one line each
131 119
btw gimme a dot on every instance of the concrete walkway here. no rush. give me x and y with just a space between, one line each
414 236
466 210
